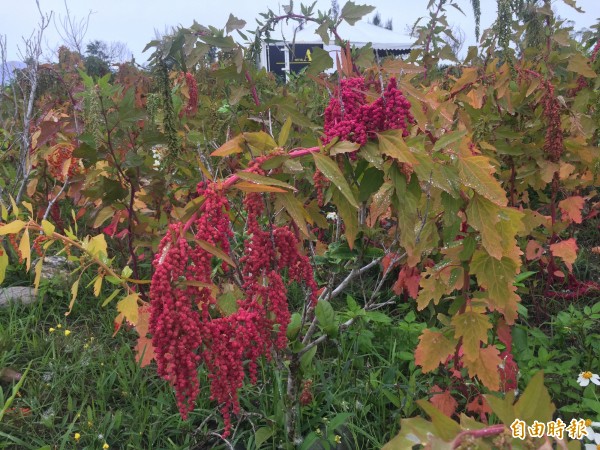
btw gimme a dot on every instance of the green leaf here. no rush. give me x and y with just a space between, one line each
370 183
262 435
233 23
349 215
352 13
325 314
285 132
448 138
483 216
392 143
329 168
296 210
260 141
535 402
581 65
321 61
343 147
323 33
446 428
306 359
215 251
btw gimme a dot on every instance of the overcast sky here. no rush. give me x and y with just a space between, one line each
134 21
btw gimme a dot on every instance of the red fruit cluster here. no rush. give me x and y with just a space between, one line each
349 117
61 161
553 144
185 329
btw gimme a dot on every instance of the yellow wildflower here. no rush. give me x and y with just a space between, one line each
77 436
67 332
338 439
105 446
52 330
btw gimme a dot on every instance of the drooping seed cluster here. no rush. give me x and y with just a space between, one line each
553 144
186 328
61 162
351 118
192 104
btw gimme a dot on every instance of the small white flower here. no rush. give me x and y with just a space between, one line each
100 437
584 378
332 216
595 445
589 427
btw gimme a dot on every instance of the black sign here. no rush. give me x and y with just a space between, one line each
300 57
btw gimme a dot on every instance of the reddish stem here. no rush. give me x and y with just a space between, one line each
492 430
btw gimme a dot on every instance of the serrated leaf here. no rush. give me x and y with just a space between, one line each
129 308
485 367
48 228
321 60
476 172
483 216
12 228
74 290
473 327
352 13
332 172
98 285
571 208
215 251
25 249
391 143
433 349
567 251
233 23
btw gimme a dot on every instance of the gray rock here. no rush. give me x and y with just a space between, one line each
20 294
55 267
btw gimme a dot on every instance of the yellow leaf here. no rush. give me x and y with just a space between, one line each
483 216
98 286
96 246
433 349
4 213
11 228
15 209
25 249
28 207
38 274
48 228
129 308
3 263
485 367
74 289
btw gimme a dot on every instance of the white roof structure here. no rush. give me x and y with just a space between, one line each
359 35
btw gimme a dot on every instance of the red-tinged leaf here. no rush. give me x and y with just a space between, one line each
534 250
480 406
503 332
408 280
387 260
571 208
485 367
567 251
509 371
230 147
144 351
473 327
433 349
444 402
